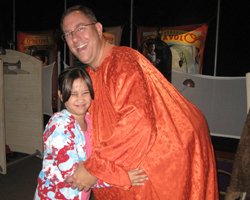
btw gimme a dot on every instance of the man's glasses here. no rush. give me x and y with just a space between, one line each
79 29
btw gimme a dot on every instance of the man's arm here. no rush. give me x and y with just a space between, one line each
83 180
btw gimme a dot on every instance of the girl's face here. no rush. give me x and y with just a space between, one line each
80 99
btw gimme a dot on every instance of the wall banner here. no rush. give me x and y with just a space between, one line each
43 43
187 44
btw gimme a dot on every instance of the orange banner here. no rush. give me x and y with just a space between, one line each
42 42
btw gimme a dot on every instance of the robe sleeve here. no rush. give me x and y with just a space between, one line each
134 130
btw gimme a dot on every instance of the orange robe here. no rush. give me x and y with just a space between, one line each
140 120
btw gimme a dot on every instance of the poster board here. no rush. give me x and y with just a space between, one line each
187 44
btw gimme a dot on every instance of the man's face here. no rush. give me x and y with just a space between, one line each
82 36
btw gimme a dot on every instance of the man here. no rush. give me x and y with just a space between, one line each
139 120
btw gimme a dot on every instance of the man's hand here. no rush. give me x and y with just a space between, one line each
137 177
81 178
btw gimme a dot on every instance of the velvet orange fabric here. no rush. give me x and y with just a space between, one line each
140 120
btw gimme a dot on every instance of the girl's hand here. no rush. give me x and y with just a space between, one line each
137 177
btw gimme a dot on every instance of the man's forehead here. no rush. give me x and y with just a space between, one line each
74 20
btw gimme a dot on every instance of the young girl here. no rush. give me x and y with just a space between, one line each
67 139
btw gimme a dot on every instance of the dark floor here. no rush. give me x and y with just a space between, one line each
225 149
20 181
224 164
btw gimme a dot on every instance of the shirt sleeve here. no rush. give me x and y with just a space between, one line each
64 147
101 184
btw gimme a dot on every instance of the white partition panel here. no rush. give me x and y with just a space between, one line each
221 99
22 89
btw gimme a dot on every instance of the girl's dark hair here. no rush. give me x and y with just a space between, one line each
83 9
68 76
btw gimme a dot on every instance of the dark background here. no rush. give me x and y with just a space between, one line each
234 28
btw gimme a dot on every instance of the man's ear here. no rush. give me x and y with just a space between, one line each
99 29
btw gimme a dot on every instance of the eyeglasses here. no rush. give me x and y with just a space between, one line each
79 29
